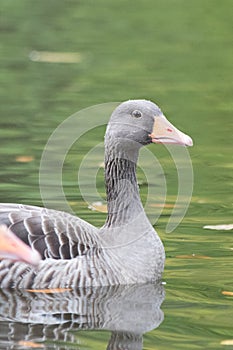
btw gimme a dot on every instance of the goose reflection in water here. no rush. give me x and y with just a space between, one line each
42 320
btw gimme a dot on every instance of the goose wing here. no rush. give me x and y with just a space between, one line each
54 234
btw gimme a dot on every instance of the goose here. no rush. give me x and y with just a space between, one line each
11 247
126 249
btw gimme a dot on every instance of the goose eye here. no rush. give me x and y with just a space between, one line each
137 114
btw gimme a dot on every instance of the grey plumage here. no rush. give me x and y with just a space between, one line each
125 250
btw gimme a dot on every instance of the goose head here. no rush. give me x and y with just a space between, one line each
140 122
133 124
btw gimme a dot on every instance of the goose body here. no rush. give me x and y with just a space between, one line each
126 249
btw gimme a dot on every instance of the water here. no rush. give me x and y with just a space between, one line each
178 54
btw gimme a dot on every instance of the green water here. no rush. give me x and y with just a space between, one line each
177 53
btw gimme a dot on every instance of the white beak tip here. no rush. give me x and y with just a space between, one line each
188 141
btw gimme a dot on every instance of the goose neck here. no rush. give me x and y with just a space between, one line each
123 198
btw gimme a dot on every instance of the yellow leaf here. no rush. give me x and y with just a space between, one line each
55 57
30 344
225 292
98 206
24 159
49 291
227 342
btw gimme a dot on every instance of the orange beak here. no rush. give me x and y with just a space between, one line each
11 247
165 132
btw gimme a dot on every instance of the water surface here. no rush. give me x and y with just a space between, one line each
176 53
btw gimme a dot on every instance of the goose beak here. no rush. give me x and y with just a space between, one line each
11 247
165 132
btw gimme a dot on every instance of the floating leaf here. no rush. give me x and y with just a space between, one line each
49 291
227 342
193 256
164 205
55 57
101 165
30 344
99 206
219 227
24 159
73 203
225 292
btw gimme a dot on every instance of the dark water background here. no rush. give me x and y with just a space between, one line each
176 53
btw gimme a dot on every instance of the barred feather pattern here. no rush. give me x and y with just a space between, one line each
76 253
73 252
70 247
54 234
